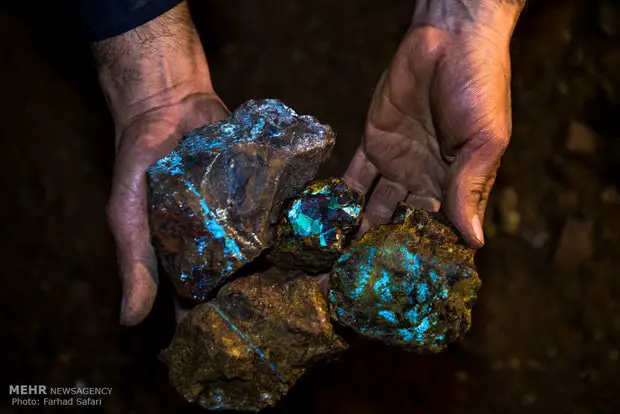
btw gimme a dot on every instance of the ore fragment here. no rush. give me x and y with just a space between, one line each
247 347
412 283
313 231
213 199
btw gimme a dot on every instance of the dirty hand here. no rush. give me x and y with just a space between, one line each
157 84
440 117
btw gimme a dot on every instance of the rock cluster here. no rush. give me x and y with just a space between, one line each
232 193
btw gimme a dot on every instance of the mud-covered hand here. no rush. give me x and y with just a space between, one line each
157 85
440 118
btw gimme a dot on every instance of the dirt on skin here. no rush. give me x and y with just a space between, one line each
546 328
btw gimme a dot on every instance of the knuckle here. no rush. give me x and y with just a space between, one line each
501 141
490 140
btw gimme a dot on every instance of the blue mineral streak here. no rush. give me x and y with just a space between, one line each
318 216
247 340
364 281
352 211
261 122
388 315
201 244
216 229
240 127
302 224
382 287
219 401
364 275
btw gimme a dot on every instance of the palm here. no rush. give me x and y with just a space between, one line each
148 138
441 101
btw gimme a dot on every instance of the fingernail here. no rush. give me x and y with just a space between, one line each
323 282
364 225
477 227
139 290
123 318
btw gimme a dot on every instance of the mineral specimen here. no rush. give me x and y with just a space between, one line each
214 198
412 283
247 347
313 231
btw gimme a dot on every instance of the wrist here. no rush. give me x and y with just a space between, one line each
495 17
154 65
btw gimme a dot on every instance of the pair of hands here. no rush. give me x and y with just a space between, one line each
436 129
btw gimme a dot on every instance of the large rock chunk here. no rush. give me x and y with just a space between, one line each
214 198
412 283
314 228
246 348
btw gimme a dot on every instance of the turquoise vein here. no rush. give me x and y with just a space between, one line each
214 227
256 349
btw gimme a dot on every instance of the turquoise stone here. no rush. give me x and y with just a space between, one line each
411 284
215 198
316 226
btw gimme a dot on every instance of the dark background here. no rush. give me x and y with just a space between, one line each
546 329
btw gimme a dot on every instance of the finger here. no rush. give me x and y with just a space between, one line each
137 260
382 203
484 197
323 281
470 182
180 311
128 210
429 203
361 172
128 218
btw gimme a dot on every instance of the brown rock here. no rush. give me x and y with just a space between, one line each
412 283
581 139
316 226
576 244
246 348
215 197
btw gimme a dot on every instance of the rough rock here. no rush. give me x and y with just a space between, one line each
245 349
412 283
214 198
581 139
575 244
314 229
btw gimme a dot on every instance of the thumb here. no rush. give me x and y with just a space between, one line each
470 180
127 213
128 216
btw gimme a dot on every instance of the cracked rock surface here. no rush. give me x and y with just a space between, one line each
316 226
411 283
214 198
245 349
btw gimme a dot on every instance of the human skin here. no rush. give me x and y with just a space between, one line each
156 81
440 117
437 126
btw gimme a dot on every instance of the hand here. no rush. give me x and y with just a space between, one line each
150 136
156 81
440 117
